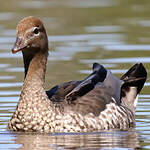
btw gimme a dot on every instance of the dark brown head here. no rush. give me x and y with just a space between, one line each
31 36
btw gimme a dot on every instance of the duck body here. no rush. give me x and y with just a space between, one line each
100 101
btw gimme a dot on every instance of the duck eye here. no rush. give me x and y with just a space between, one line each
36 31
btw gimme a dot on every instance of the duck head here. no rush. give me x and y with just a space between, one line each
31 37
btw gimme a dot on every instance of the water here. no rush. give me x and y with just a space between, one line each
114 33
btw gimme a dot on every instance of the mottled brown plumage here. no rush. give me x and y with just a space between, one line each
95 103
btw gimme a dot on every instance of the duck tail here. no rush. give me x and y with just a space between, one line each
134 80
100 71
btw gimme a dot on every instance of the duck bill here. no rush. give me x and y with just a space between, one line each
18 46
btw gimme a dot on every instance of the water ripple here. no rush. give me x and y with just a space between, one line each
84 37
127 47
16 84
106 28
118 60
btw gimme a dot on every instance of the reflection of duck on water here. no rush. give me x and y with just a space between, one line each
101 101
92 141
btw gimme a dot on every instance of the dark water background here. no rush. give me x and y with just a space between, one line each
115 33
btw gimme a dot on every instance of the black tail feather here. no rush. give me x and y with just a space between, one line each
135 76
134 80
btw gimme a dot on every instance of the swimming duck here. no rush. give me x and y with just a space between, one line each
100 101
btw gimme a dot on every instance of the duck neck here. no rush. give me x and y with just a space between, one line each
27 59
35 69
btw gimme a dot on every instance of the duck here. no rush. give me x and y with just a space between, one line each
101 101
